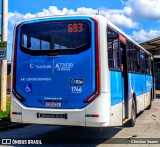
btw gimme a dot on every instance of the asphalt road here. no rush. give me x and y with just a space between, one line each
147 126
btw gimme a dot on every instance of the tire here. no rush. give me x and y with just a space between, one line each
133 115
150 105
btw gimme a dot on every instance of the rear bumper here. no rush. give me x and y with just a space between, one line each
75 117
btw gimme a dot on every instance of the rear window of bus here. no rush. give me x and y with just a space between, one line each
45 36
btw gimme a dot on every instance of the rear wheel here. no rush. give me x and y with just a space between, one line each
133 115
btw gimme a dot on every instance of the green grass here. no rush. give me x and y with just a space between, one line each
6 113
5 117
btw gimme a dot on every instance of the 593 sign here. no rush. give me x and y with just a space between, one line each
3 49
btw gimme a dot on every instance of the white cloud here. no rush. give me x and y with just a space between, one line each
14 17
122 21
142 35
118 19
139 9
124 18
116 16
143 9
133 9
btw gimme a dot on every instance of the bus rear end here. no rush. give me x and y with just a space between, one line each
56 73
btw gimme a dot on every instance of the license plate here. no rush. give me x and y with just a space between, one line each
46 115
53 104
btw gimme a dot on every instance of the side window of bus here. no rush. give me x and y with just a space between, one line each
148 64
137 59
142 61
130 53
113 49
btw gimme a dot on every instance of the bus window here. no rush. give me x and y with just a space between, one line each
130 56
55 36
113 49
142 61
148 64
137 59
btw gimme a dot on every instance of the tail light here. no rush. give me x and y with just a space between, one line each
14 65
92 97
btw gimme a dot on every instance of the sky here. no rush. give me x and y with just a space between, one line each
140 19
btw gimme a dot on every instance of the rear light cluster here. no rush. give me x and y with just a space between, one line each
92 97
92 115
14 66
16 113
14 61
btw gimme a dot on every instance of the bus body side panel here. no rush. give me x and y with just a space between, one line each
137 85
148 88
15 107
101 105
136 82
117 98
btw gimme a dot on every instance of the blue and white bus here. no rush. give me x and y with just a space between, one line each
78 71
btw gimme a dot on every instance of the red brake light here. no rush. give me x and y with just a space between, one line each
91 98
14 60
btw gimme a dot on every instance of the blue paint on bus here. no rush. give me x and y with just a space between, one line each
138 83
117 84
44 81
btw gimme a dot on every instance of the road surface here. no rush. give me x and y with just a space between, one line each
147 126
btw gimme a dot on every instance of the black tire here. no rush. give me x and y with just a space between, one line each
149 107
133 115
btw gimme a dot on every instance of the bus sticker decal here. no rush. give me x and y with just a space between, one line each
53 98
28 88
31 66
76 82
76 89
63 66
36 79
45 66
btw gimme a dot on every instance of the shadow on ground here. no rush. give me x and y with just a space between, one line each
80 135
